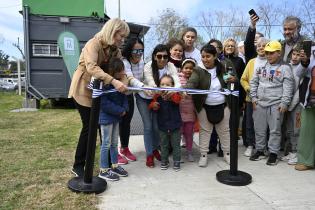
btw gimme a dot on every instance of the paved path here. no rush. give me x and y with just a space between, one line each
273 187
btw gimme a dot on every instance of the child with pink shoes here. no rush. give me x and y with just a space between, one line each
187 108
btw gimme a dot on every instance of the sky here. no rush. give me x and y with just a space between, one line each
137 11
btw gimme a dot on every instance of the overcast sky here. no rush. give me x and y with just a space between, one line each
138 11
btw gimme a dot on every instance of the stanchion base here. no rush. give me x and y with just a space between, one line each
241 179
77 184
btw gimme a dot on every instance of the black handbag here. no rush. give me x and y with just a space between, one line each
215 113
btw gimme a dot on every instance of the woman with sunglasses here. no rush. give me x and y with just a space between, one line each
132 57
153 71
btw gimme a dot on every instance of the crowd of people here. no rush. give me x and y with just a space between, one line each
275 80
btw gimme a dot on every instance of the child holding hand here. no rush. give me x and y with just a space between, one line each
169 120
114 106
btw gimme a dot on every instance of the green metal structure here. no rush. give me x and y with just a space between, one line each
70 8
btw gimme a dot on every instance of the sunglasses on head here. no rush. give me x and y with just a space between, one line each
165 57
137 51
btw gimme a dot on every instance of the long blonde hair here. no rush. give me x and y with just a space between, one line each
225 43
110 28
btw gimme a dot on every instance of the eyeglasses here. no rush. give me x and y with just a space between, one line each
231 46
165 57
137 51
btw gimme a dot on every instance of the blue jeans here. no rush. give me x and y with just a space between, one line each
109 144
150 126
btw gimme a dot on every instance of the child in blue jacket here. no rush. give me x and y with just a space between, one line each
169 122
114 106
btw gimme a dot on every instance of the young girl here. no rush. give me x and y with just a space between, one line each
114 106
187 108
169 122
153 71
176 52
189 36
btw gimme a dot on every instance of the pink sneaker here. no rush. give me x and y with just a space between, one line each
122 160
127 154
150 161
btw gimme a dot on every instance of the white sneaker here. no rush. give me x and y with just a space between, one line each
288 157
183 144
203 161
293 159
226 158
249 151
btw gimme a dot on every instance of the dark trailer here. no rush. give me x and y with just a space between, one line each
47 76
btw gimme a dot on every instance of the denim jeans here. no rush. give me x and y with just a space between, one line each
109 144
150 127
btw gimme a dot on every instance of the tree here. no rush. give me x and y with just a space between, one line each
168 25
17 45
308 17
4 60
13 66
272 15
268 14
217 24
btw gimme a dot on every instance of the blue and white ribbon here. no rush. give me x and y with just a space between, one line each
98 91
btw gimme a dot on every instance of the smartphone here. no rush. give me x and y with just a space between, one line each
252 12
307 47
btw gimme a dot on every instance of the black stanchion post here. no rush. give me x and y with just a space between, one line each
233 176
90 183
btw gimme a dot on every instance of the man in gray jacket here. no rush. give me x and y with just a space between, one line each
271 93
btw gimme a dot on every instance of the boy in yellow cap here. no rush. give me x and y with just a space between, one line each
271 93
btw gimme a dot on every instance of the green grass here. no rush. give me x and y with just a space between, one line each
37 150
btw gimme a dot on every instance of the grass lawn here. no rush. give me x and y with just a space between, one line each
37 152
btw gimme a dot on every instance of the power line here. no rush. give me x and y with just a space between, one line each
216 26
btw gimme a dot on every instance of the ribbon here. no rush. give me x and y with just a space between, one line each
98 91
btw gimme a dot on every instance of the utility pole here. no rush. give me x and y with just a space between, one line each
119 9
17 45
19 73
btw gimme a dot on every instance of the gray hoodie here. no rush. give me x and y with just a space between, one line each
272 84
297 82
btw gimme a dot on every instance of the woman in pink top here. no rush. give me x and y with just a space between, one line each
187 108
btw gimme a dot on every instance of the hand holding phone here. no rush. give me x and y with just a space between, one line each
307 47
252 12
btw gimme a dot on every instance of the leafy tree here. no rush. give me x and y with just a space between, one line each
168 25
13 66
4 60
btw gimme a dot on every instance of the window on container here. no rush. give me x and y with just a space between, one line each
47 50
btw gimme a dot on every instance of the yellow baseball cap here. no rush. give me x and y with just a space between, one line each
273 46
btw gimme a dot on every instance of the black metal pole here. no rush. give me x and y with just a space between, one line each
88 183
234 123
233 176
